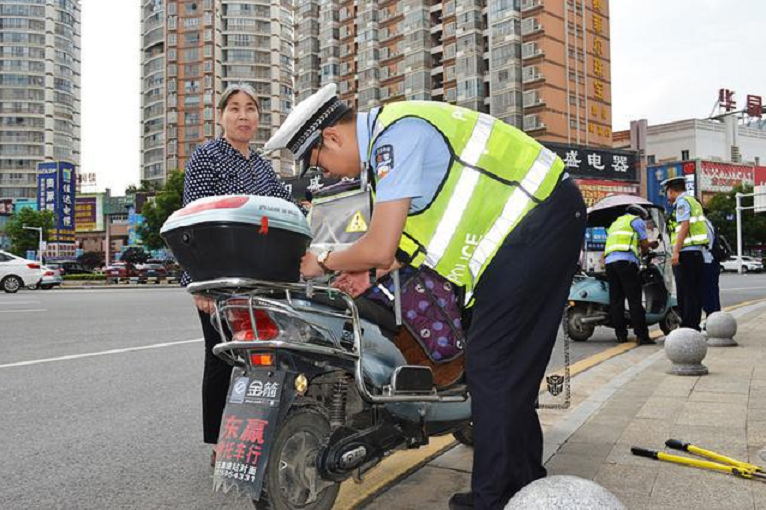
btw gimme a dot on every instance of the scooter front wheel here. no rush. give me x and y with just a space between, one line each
292 480
573 327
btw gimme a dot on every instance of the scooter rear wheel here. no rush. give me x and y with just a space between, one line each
572 326
291 473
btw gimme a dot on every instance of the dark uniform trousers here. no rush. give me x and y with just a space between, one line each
215 383
690 284
625 282
519 303
711 299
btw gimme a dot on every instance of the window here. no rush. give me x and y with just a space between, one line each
684 155
651 159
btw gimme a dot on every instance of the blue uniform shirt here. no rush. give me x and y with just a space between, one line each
640 227
684 213
410 159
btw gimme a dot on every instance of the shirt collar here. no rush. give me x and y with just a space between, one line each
364 125
231 151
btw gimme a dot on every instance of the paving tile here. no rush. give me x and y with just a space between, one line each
709 396
662 408
575 465
603 432
459 458
598 450
682 487
628 483
713 419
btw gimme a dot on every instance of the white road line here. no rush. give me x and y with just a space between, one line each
743 288
24 310
101 353
3 303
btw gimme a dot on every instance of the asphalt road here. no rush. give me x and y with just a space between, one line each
100 398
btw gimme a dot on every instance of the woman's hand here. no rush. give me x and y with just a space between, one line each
204 304
310 267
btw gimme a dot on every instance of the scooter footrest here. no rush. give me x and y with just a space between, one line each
416 379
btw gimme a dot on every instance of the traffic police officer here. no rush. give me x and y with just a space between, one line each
689 238
624 238
486 207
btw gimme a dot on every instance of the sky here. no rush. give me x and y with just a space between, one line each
669 58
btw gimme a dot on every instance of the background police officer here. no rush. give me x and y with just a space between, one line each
485 206
625 237
689 239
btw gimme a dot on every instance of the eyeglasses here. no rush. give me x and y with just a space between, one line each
315 168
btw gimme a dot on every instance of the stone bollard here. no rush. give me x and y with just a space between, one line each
564 492
686 348
721 328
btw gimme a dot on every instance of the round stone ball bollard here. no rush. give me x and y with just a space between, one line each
721 328
564 492
686 348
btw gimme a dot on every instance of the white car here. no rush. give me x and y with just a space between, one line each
16 272
749 264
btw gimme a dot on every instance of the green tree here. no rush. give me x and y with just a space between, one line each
134 255
722 212
155 212
146 186
91 259
23 240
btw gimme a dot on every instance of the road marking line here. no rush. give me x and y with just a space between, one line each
19 302
743 288
101 353
22 310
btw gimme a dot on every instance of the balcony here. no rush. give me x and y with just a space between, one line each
532 123
532 99
530 26
530 51
531 74
530 5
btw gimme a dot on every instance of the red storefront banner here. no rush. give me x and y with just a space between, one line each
594 190
760 175
715 177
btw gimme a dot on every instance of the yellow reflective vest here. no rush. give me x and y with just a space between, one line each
497 175
621 236
698 233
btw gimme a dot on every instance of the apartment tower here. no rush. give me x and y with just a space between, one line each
39 90
541 65
194 49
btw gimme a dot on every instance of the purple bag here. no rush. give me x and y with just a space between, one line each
430 311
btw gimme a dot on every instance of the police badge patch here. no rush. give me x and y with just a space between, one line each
384 160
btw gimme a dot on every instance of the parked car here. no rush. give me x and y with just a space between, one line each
69 267
150 270
16 272
120 270
749 264
51 278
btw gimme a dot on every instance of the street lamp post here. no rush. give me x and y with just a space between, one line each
40 244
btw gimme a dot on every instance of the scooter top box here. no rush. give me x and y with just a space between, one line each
239 236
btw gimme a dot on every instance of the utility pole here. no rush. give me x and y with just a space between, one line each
39 244
740 208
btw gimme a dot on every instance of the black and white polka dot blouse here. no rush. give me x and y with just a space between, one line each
217 168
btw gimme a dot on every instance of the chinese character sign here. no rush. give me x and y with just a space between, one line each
56 193
754 106
596 163
248 427
656 174
718 177
593 191
86 214
726 99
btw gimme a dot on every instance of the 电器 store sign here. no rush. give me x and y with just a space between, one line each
597 163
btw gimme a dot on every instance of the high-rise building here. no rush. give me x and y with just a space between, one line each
541 65
194 49
39 90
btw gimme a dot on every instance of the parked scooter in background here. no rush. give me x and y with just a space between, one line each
588 305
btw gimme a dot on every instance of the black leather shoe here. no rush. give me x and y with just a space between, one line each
461 501
644 340
621 339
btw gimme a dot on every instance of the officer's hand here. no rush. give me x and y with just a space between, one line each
310 267
204 304
675 260
354 284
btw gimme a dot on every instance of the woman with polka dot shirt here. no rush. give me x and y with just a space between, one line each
226 166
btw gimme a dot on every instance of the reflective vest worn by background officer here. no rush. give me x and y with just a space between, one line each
621 236
497 175
698 234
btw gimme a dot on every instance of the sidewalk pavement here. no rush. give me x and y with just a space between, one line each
632 400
